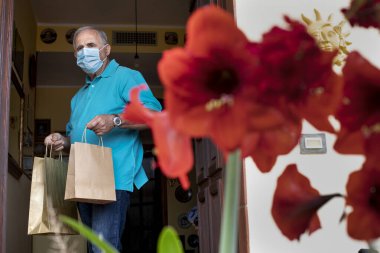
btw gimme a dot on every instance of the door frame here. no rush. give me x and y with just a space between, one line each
6 31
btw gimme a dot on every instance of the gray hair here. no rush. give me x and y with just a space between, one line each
102 34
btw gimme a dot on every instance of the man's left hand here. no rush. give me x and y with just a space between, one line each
101 124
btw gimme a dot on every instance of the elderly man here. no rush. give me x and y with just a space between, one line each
97 106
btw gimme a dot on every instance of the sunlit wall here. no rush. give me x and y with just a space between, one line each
328 172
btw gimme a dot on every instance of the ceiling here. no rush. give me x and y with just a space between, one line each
59 68
112 12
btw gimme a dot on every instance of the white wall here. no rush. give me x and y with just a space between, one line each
327 173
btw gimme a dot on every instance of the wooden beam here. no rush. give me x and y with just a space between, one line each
6 31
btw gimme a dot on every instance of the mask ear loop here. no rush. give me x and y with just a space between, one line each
102 49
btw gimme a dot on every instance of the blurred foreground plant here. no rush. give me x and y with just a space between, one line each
168 240
250 98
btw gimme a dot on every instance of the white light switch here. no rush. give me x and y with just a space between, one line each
313 142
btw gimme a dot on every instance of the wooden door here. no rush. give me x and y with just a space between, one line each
210 167
209 170
6 28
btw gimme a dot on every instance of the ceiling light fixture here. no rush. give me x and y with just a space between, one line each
136 58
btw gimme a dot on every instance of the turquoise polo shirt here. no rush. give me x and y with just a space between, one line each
108 93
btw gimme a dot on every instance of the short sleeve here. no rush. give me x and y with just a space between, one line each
146 96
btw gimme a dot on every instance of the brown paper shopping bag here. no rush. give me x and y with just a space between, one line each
90 176
47 197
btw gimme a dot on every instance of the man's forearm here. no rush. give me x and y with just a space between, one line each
128 125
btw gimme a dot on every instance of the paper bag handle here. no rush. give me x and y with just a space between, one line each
84 137
51 149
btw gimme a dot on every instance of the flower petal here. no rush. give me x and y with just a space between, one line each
263 160
363 194
174 149
295 204
135 111
262 117
362 225
210 84
363 13
321 105
372 150
295 75
207 28
273 142
168 140
349 142
181 72
361 93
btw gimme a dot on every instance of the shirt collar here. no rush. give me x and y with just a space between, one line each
109 70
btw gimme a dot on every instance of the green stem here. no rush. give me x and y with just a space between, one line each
230 221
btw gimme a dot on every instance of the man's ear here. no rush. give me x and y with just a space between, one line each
108 49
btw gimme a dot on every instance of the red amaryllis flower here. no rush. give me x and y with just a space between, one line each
364 13
360 108
209 83
323 103
349 142
173 149
296 75
363 194
295 204
264 146
361 93
372 147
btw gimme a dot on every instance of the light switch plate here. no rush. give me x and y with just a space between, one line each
313 144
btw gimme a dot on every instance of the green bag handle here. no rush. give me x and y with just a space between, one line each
51 149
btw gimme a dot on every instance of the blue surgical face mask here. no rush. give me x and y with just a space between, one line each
88 59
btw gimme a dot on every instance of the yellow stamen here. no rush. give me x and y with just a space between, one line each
155 151
367 131
319 91
376 128
218 103
346 101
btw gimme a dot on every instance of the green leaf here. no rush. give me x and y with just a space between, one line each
168 241
88 234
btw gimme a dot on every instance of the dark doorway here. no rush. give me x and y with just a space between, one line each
147 212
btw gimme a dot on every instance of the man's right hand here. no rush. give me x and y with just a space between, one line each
56 141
